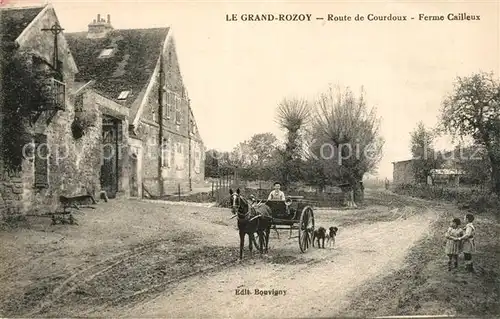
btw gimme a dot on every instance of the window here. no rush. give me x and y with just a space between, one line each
197 160
191 127
164 102
58 96
41 161
179 158
153 115
106 53
165 154
123 95
177 110
168 104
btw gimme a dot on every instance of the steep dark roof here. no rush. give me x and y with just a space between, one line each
14 20
129 68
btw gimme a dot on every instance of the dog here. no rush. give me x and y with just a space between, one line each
330 236
319 234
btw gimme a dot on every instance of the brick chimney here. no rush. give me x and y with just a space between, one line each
99 28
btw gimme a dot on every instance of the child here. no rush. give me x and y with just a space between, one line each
468 245
276 194
452 248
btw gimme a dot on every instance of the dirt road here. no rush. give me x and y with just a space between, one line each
290 284
152 259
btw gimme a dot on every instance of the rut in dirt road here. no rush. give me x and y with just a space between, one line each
362 253
128 275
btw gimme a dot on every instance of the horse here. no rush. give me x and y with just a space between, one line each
251 220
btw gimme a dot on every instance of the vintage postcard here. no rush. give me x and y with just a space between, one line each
249 159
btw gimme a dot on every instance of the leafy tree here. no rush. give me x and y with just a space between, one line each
473 109
240 160
425 158
226 164
292 115
475 163
262 149
212 163
262 146
347 142
24 93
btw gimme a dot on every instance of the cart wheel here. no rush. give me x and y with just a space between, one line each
306 228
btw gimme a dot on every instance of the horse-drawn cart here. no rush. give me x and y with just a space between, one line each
294 213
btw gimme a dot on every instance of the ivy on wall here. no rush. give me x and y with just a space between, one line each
82 122
24 94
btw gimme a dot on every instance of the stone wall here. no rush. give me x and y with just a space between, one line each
73 163
181 160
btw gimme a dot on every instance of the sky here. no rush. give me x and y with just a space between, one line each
236 72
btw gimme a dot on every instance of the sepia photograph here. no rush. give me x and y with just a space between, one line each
249 159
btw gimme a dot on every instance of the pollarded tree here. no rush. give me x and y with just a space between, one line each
347 143
473 109
292 115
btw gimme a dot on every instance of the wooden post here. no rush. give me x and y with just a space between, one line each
179 190
218 189
212 189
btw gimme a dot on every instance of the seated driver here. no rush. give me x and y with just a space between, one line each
276 194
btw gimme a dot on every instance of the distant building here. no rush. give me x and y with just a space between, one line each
449 172
402 172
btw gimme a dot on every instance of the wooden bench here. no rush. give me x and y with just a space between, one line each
68 202
76 201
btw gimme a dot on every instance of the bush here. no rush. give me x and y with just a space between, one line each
476 199
81 123
24 97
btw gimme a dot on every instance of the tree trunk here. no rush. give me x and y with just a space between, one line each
495 174
359 192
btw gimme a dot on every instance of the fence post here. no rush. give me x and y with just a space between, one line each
179 191
212 189
218 189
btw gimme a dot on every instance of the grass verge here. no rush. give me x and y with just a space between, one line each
426 287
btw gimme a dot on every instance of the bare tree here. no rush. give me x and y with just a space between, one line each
347 138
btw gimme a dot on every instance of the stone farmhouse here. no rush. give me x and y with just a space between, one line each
139 70
126 85
60 162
